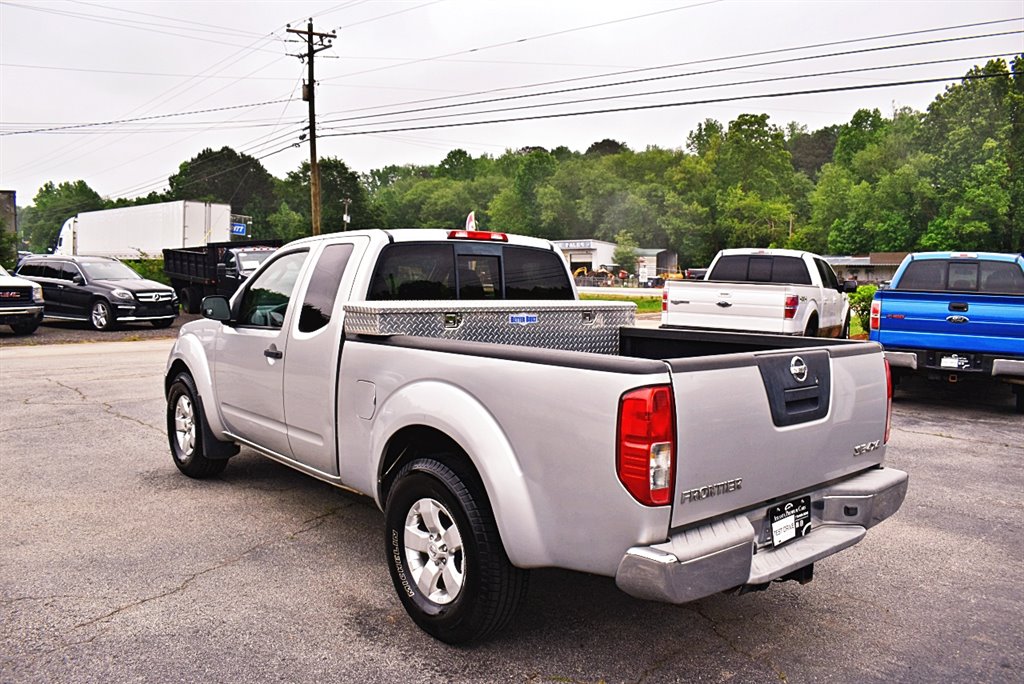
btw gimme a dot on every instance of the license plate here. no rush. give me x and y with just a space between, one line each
955 361
790 520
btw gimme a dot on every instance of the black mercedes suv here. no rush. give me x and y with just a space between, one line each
101 290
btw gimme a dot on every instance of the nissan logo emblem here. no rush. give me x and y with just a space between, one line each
798 369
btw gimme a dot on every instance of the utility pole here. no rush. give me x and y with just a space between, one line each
315 42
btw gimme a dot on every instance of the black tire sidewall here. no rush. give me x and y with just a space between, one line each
183 385
420 479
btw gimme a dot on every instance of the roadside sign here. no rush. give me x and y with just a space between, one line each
238 229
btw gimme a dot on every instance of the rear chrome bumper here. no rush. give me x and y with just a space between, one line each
724 554
1001 368
902 359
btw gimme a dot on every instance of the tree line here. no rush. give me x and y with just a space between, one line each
949 178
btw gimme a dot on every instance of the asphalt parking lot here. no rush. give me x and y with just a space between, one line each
114 567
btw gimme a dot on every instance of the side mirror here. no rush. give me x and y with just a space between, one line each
217 308
77 279
849 286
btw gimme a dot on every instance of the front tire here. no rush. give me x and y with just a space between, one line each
163 323
101 316
185 430
25 327
445 555
844 334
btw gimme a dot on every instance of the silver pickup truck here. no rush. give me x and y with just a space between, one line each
502 425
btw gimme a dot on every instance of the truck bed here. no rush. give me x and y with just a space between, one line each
776 434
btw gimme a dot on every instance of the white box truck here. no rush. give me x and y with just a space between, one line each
144 231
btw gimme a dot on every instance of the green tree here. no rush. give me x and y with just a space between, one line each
53 205
811 151
457 165
606 146
706 138
337 183
284 224
753 156
867 126
8 246
625 251
227 177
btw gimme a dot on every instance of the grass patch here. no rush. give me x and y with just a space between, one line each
651 304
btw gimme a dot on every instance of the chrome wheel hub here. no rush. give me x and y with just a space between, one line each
433 551
99 315
185 426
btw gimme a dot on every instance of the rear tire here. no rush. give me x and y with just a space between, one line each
1018 392
812 327
185 430
190 299
445 555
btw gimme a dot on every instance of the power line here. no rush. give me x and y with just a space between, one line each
710 60
145 118
189 22
661 78
637 108
390 14
519 41
127 23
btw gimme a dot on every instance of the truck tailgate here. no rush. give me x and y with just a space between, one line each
726 306
791 420
952 321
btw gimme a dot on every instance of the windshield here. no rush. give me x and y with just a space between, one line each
250 261
108 270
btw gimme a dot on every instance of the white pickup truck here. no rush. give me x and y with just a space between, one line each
780 291
501 425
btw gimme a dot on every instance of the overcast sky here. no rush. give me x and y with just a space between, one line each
69 62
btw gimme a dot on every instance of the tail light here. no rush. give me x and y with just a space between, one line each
876 314
888 406
664 300
792 302
484 235
646 452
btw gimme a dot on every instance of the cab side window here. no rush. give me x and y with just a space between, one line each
323 287
265 301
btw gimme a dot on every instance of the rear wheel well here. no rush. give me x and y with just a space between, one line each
418 441
812 325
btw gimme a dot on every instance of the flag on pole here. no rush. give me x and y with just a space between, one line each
471 221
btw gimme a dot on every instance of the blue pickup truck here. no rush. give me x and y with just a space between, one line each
954 316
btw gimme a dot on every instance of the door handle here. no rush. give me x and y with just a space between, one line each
958 306
271 352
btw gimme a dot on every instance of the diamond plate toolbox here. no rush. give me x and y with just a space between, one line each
569 325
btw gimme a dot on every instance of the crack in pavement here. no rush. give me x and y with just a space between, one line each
945 436
107 408
760 660
306 526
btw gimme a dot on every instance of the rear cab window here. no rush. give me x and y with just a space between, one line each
447 271
979 276
743 268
